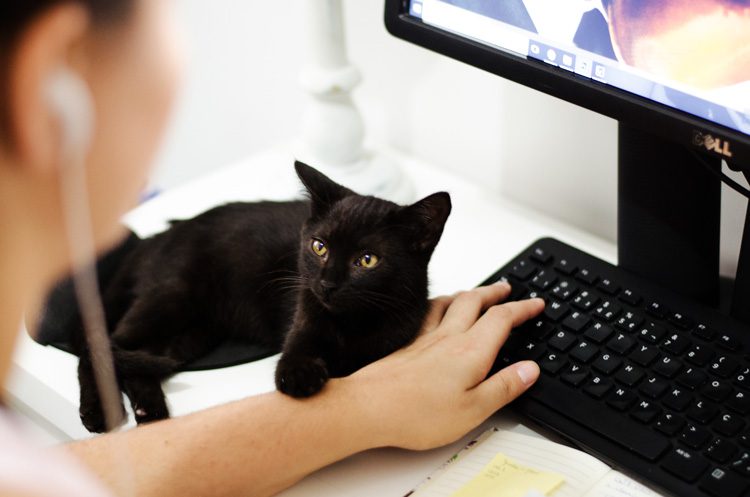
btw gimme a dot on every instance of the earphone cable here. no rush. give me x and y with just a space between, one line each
78 224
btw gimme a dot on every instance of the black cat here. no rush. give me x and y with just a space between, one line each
335 283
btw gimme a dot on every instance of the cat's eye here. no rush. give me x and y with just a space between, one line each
368 261
319 247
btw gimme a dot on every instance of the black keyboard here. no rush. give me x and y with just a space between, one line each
644 379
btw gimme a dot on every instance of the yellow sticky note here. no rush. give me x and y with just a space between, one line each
503 477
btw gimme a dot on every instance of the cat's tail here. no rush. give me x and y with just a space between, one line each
141 363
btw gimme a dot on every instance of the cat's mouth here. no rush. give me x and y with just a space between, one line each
325 299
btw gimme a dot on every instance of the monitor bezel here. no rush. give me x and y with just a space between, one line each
633 110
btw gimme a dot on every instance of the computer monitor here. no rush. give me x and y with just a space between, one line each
674 73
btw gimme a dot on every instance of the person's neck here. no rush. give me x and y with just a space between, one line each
13 290
20 278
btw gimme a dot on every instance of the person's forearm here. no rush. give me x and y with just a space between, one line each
257 446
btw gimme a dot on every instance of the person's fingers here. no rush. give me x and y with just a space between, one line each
438 307
467 306
505 385
493 328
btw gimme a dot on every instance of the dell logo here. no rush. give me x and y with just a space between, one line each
712 144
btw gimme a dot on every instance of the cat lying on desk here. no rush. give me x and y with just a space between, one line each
335 282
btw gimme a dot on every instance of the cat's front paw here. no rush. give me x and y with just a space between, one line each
300 376
92 417
148 414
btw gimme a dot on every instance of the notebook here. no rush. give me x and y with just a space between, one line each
544 467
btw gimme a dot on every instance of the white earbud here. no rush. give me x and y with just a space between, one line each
70 99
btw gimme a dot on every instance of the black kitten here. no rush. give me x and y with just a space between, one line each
339 281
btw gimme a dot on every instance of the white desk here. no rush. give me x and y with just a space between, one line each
483 232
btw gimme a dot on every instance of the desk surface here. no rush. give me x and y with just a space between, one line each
483 232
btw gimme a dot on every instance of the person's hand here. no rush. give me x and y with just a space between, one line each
435 390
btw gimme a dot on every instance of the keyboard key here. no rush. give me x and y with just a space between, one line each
702 411
584 352
576 321
744 438
669 423
699 355
608 286
517 291
645 411
607 310
564 290
704 332
721 483
717 390
598 332
723 366
654 387
739 402
651 332
543 280
565 267
630 297
721 450
574 375
656 309
741 463
573 405
540 255
630 375
621 344
598 386
523 270
644 354
585 300
692 378
729 342
743 379
694 436
667 366
552 362
728 424
685 464
680 320
622 399
676 343
562 340
629 322
586 276
677 399
529 349
607 363
538 329
555 310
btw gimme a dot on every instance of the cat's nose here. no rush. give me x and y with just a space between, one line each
327 287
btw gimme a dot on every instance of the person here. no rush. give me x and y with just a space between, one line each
428 394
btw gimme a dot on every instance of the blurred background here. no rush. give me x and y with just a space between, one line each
242 96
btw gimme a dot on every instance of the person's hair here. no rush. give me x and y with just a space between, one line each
17 15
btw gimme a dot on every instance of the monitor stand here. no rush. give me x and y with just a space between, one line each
669 213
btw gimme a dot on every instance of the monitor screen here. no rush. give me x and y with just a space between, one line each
692 56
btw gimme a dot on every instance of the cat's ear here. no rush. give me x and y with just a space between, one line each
324 192
427 218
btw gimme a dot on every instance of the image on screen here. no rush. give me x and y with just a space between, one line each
691 55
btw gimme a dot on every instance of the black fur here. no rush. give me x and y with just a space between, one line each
248 271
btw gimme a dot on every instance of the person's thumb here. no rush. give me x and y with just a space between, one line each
507 384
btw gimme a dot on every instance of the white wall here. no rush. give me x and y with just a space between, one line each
242 96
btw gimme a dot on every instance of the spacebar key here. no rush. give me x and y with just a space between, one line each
599 418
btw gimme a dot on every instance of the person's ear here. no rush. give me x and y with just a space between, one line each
323 191
46 96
